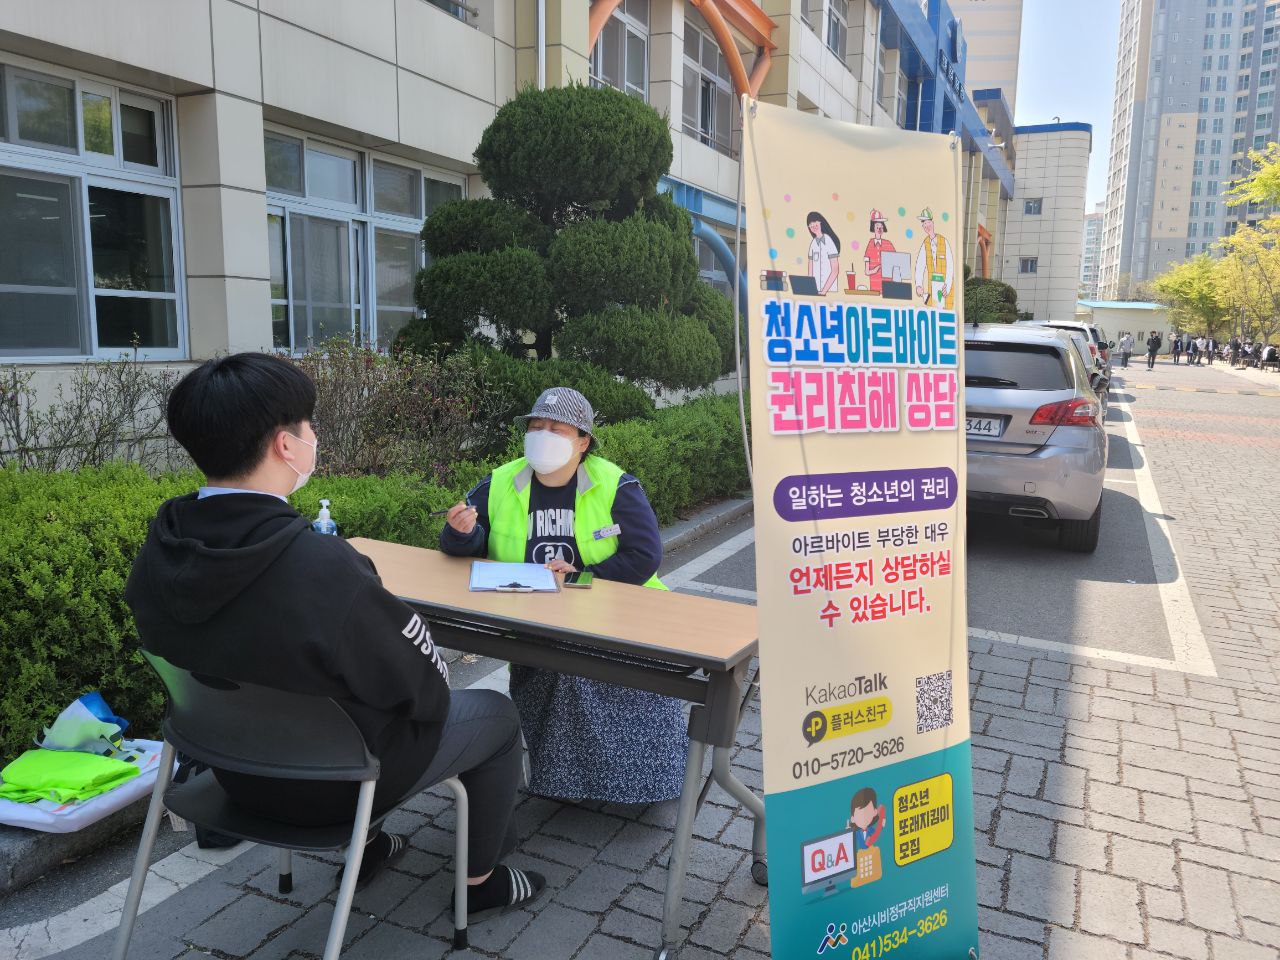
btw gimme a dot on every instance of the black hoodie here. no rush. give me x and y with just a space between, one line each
239 586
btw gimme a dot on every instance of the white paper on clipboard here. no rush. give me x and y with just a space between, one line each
512 577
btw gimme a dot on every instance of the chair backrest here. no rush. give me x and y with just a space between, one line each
261 731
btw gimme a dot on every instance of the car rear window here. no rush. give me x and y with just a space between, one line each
1014 366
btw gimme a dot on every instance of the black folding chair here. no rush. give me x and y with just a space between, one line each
259 731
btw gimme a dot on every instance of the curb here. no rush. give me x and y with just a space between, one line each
27 855
684 532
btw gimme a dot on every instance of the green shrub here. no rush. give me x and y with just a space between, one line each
715 310
568 152
482 225
633 261
506 288
516 384
653 346
684 455
66 544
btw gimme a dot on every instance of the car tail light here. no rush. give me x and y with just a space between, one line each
1078 412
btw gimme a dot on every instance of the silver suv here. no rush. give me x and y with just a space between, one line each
1033 426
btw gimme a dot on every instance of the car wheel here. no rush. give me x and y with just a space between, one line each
1081 536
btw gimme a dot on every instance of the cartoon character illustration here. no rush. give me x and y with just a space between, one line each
824 253
863 812
834 938
876 246
935 266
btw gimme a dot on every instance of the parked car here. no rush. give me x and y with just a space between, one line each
1033 426
1102 347
1099 377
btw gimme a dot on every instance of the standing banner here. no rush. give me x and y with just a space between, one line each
854 243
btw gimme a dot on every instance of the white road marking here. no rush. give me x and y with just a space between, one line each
101 914
684 575
176 872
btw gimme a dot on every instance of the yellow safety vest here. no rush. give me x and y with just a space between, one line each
937 265
593 510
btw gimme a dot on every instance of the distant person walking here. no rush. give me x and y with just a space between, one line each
1126 349
1211 347
1177 348
1193 351
1154 343
1200 348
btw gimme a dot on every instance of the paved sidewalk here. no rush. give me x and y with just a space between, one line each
1123 811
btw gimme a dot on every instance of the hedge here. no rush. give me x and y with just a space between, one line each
67 541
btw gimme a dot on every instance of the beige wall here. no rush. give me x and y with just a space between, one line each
993 31
1171 191
1053 167
401 75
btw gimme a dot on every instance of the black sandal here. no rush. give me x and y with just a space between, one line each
378 856
524 886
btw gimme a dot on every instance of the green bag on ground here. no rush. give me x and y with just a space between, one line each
62 776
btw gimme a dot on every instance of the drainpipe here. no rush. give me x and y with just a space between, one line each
541 62
724 256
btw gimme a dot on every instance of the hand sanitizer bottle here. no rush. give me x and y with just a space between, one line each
323 522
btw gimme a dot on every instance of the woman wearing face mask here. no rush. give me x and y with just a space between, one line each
566 507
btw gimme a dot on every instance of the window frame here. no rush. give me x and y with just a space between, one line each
363 222
703 76
1028 266
84 169
1029 202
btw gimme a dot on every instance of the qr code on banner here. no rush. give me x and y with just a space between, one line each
933 702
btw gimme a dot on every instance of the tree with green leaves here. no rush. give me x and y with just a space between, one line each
988 301
1192 291
576 252
1261 185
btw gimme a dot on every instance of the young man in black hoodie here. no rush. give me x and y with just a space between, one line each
232 582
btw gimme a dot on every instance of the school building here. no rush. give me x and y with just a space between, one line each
190 177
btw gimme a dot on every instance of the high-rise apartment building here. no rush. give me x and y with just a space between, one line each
1195 91
1091 252
993 31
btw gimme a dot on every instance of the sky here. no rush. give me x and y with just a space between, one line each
1067 69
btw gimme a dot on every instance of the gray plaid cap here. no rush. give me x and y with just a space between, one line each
565 405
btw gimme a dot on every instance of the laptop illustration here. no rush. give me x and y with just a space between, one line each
805 285
895 268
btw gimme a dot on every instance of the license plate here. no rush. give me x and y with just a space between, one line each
983 426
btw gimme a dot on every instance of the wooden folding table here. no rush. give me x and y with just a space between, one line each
695 648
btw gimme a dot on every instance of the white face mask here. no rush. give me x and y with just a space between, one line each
547 452
315 458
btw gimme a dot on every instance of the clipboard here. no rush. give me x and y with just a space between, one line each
512 578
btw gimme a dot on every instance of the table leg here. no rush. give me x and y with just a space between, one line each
722 774
678 866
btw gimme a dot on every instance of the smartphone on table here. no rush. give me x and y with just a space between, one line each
581 579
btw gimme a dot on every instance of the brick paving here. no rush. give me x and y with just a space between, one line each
1122 812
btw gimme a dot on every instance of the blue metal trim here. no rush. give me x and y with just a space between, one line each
1055 128
699 202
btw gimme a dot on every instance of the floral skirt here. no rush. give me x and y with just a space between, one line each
590 740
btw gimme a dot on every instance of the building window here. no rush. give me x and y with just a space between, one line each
1210 208
838 26
1028 265
1033 207
89 219
1192 229
1219 104
343 235
621 56
1193 208
1224 63
708 91
1217 125
1202 126
1214 167
1224 41
451 7
1190 248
